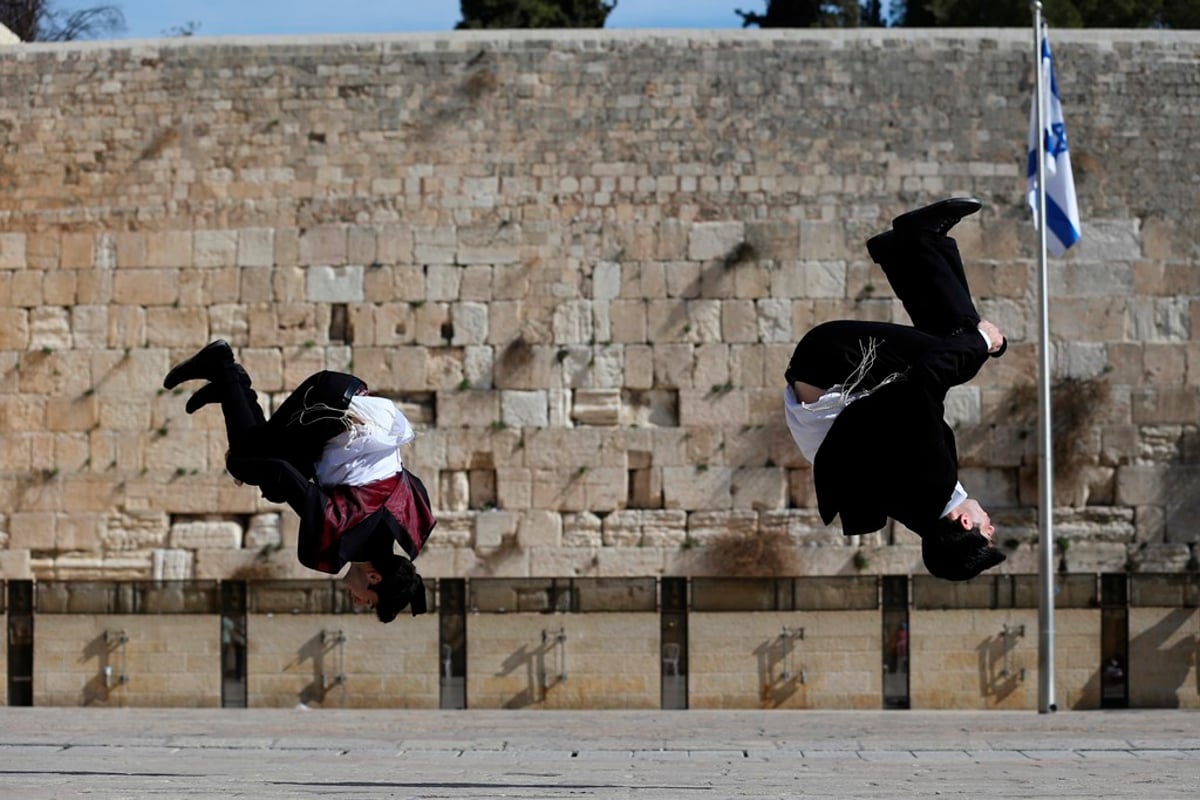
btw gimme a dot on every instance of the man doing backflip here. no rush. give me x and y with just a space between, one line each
331 452
865 400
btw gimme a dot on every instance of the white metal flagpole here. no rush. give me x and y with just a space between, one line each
1046 702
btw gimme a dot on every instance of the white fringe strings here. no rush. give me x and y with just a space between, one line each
312 413
868 352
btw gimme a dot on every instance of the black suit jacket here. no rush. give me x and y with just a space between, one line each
891 454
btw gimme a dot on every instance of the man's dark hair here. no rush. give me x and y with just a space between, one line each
399 586
955 554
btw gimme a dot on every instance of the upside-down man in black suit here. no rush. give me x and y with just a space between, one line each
332 452
865 400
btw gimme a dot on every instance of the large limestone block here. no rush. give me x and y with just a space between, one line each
539 528
50 329
599 489
434 244
775 320
627 320
703 526
12 250
565 562
622 528
582 529
255 247
822 240
135 565
455 529
323 244
167 326
514 487
14 329
713 406
1174 557
493 527
803 526
134 530
1142 484
606 280
520 409
470 322
1108 240
469 408
825 279
630 562
171 565
1095 524
759 488
443 282
1182 508
596 406
692 487
645 528
330 284
573 322
711 240
454 490
15 565
264 532
205 534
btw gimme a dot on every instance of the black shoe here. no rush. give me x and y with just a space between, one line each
202 365
208 393
938 217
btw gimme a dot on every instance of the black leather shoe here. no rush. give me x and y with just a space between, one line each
202 365
208 393
937 217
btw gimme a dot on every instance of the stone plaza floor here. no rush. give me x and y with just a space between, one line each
664 755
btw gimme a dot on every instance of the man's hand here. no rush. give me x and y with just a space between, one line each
994 335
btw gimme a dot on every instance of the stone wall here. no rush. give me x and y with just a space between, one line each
118 660
959 659
1164 645
579 261
796 659
602 660
293 659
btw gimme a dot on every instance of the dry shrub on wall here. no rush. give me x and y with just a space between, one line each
751 555
1074 403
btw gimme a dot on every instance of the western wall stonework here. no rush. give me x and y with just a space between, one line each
580 261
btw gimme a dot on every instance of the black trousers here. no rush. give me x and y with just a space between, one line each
925 271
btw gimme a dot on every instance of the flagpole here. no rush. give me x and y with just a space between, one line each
1046 701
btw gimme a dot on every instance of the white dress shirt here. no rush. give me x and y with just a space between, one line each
370 449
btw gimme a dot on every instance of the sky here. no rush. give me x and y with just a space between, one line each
151 19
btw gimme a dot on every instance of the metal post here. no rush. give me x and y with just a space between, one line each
1045 447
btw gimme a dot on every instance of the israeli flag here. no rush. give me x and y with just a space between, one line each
1062 212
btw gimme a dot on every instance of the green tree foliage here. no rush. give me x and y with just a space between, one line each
40 21
814 14
1058 13
535 13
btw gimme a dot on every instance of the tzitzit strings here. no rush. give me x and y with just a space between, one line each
868 352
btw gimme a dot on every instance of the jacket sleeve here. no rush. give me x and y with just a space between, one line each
955 359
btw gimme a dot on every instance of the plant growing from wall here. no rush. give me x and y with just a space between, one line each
1062 544
759 554
1075 403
